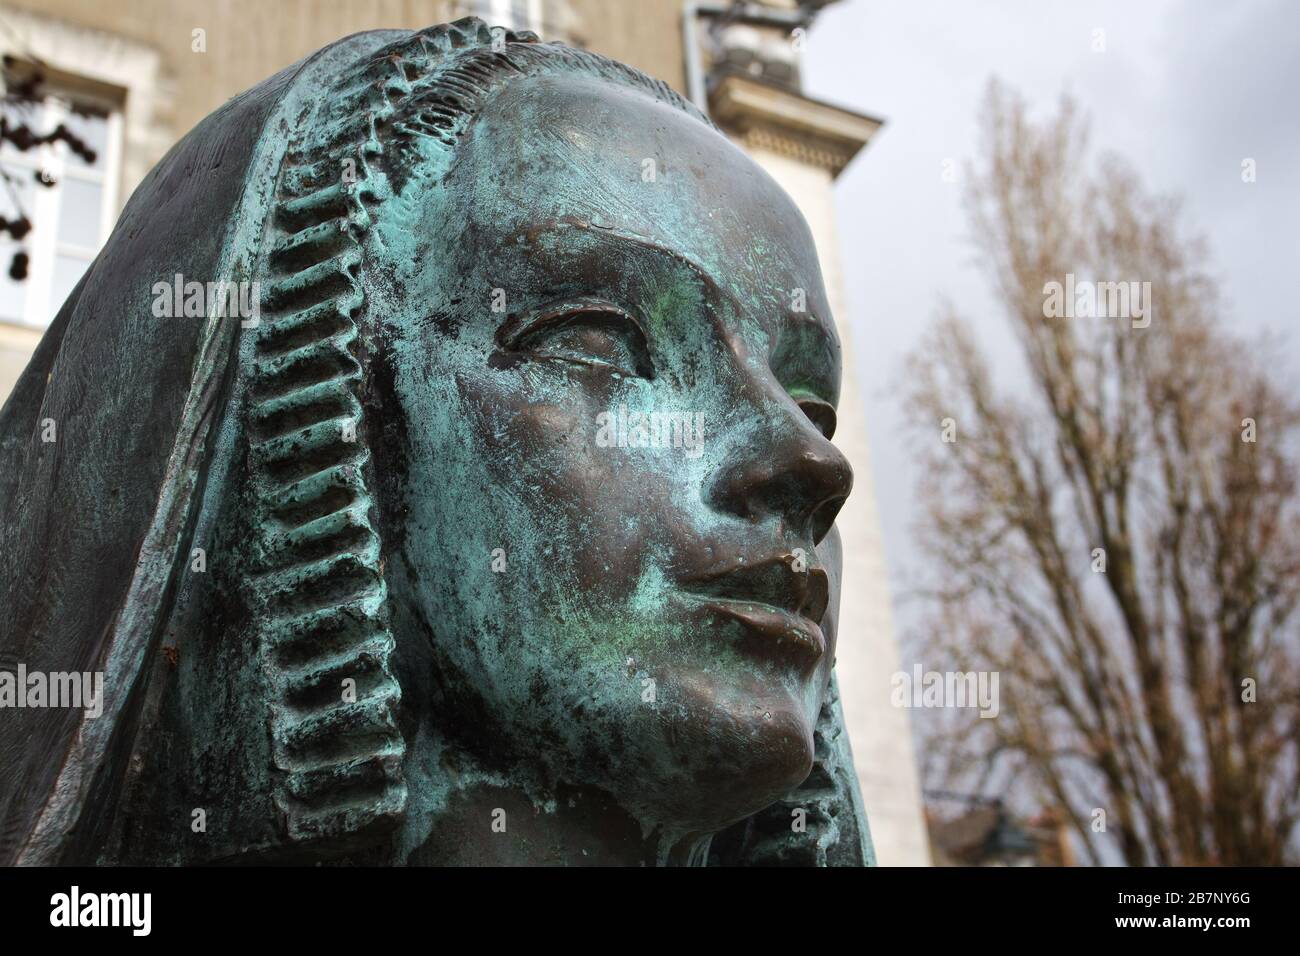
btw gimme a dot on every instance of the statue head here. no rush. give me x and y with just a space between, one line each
523 479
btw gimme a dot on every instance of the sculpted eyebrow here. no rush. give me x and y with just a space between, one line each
634 240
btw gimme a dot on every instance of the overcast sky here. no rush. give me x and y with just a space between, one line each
1184 90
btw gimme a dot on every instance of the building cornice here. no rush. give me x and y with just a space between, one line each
771 117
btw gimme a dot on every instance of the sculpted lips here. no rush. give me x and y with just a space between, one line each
780 605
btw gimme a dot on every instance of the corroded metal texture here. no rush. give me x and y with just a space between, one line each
500 533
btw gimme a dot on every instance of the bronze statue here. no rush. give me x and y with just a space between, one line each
493 526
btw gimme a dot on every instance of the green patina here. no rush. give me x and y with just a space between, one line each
462 267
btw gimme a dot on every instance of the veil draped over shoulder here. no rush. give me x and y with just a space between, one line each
95 524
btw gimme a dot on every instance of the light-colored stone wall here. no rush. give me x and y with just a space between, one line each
17 343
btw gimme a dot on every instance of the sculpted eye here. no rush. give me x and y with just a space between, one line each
821 414
585 333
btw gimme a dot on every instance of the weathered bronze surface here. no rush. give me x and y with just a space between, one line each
393 571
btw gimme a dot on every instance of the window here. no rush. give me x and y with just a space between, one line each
515 14
73 215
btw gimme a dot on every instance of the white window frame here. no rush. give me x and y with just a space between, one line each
42 243
126 71
502 13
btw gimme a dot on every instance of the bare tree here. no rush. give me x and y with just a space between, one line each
1120 540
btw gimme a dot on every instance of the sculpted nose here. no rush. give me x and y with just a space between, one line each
797 476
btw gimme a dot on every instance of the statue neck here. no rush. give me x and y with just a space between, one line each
471 816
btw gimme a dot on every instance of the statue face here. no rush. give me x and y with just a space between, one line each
612 371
